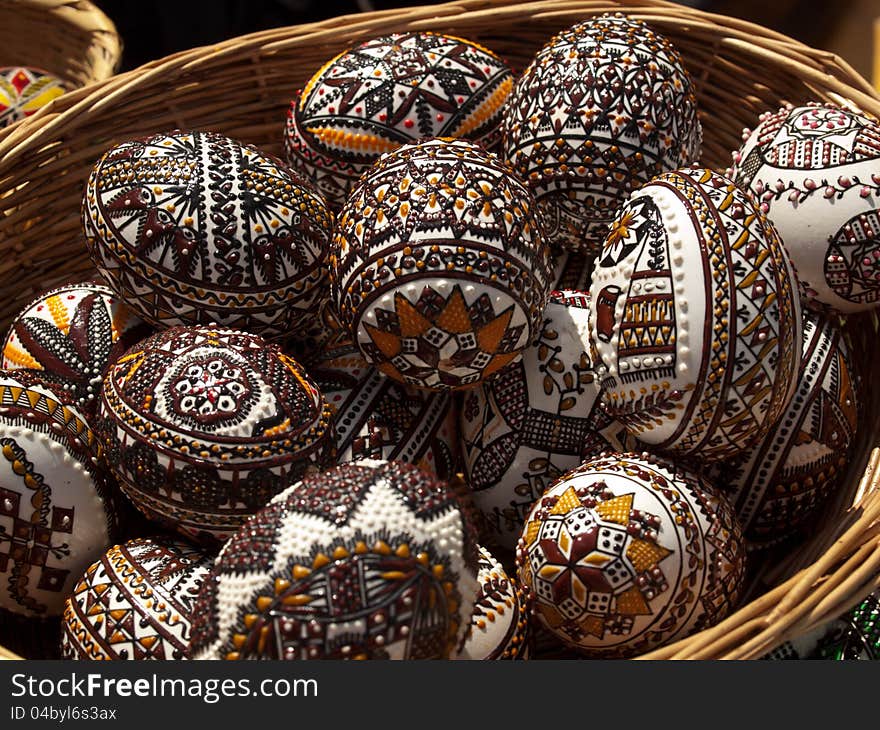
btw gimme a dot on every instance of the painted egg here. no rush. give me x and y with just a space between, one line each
499 627
630 552
606 105
376 417
204 425
787 477
390 91
695 317
439 267
197 228
57 511
136 602
370 559
526 427
24 90
816 171
72 334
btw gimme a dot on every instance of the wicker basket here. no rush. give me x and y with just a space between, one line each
72 39
242 88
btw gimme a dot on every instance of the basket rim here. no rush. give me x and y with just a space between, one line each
814 64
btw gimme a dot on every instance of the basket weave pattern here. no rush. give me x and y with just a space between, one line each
242 88
71 39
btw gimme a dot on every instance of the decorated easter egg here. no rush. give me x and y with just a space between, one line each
630 552
499 627
439 267
72 334
527 426
369 559
389 91
203 425
24 90
787 477
135 602
57 511
379 418
605 105
197 228
808 645
695 317
816 171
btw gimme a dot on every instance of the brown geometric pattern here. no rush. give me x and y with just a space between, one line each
135 602
389 91
627 552
754 293
377 417
370 559
605 106
439 267
207 424
196 228
787 477
72 334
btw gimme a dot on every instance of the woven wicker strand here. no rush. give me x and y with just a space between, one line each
72 39
241 87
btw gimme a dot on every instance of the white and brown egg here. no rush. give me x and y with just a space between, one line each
604 106
388 91
72 334
695 317
608 555
58 512
290 583
499 627
815 169
135 602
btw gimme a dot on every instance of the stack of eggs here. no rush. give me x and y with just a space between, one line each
487 361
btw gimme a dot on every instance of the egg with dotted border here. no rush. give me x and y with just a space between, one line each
630 552
695 317
390 91
439 268
367 560
605 105
202 425
72 334
193 227
815 170
136 602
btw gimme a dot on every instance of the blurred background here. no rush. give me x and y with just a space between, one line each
151 29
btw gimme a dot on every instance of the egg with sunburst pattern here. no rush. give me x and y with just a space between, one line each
629 552
439 267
